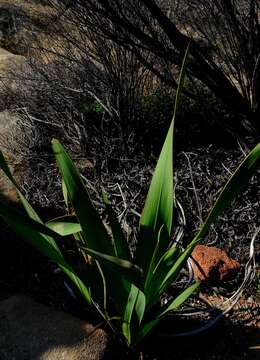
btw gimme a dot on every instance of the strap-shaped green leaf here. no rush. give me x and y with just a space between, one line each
94 232
126 325
124 268
140 306
234 186
158 208
65 193
160 273
179 300
174 304
65 225
136 301
152 263
172 274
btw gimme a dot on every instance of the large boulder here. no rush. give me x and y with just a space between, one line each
18 19
10 64
30 331
8 60
12 18
10 131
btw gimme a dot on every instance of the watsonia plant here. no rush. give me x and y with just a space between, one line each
123 288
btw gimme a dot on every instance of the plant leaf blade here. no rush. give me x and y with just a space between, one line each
234 186
128 270
64 226
159 204
94 232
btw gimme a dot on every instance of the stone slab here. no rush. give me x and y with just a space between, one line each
32 331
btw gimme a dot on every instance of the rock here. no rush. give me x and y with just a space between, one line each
8 22
8 60
9 132
20 21
10 64
30 331
212 264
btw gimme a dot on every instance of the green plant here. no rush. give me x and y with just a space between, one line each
91 108
123 288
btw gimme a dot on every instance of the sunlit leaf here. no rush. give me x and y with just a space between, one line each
179 300
94 232
174 304
136 301
158 208
65 225
140 306
161 272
